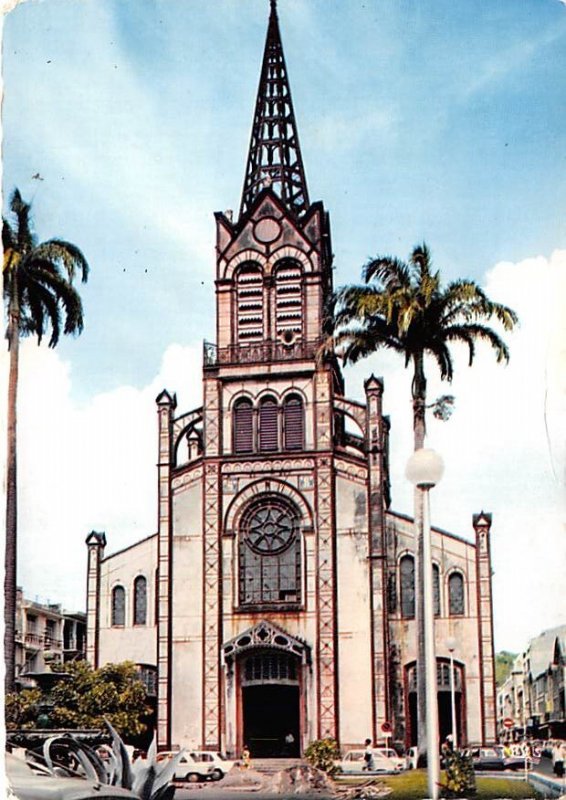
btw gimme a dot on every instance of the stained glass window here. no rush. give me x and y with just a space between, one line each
140 600
269 552
456 594
407 571
118 605
436 589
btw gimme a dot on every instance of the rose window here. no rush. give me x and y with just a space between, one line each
270 529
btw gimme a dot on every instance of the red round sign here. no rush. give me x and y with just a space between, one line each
386 727
508 722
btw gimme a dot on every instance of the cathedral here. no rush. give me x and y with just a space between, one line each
277 596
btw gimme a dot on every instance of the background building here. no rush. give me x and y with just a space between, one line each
533 695
279 577
45 633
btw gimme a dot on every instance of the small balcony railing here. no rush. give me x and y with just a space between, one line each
258 352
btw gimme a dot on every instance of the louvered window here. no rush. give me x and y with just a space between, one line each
288 300
140 601
456 594
268 425
249 288
407 570
293 424
118 605
243 433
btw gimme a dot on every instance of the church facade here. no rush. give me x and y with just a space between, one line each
278 595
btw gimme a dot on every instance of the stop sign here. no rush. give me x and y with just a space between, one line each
508 722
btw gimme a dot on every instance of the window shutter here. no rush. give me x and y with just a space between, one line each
243 428
268 425
294 424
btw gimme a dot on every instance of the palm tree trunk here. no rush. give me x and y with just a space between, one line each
419 430
10 580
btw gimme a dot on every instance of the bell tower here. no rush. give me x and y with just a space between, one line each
274 262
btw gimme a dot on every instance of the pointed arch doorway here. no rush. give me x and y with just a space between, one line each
268 670
443 699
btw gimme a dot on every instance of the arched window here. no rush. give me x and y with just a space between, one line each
118 606
456 594
293 423
270 553
140 601
407 573
436 589
249 288
268 425
243 427
288 300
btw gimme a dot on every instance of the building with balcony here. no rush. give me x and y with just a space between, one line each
279 576
533 696
45 633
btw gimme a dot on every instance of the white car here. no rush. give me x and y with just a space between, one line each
188 769
392 754
354 762
218 761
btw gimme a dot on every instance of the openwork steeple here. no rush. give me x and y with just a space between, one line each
274 158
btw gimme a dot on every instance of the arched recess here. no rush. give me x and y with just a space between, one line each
456 594
288 301
249 303
444 697
187 434
407 586
293 422
267 486
270 561
265 668
243 426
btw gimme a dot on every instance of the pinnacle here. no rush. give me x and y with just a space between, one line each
274 157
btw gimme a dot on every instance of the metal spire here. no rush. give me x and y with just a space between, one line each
274 157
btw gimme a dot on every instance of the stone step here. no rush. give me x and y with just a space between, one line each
269 766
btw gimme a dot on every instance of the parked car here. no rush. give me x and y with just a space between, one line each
489 758
353 762
188 769
393 755
221 765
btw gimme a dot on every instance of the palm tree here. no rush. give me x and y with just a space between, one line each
39 295
403 307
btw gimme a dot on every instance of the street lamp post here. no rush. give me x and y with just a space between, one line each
451 645
424 470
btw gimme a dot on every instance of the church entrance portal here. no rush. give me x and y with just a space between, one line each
271 713
270 704
444 702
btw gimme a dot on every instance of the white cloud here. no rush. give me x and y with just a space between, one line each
85 467
92 466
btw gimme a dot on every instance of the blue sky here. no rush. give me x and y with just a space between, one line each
441 121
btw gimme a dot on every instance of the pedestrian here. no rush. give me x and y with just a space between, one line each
246 757
289 742
368 756
558 760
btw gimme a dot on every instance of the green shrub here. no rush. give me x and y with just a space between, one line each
460 780
322 753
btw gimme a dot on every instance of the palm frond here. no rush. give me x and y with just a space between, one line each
66 254
476 331
391 272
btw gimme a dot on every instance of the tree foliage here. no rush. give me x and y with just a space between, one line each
322 754
460 779
503 665
113 692
402 306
